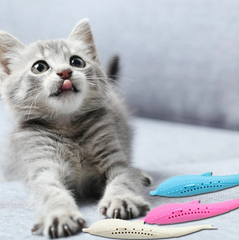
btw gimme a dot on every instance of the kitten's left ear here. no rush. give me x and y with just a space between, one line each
82 32
9 46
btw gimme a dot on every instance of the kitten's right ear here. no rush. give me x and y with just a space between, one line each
82 32
9 46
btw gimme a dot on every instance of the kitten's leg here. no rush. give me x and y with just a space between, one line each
122 197
59 213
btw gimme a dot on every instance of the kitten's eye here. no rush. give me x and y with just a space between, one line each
40 67
76 61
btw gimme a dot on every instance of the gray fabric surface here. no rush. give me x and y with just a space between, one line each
163 150
180 59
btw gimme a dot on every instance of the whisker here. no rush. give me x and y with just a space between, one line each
120 76
110 85
34 102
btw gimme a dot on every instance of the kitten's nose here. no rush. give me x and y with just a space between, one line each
65 74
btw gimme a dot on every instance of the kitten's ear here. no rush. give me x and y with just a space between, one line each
9 46
82 32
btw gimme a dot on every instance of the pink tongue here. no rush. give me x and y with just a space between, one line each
66 85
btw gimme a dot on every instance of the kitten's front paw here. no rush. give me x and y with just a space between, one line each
59 223
125 207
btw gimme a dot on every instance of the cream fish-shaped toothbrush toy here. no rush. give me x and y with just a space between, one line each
116 228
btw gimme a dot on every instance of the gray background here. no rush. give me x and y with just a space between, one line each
179 58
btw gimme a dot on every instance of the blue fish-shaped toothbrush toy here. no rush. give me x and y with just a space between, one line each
189 185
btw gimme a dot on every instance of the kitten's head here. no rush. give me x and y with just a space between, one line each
50 78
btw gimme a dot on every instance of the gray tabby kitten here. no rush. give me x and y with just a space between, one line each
71 137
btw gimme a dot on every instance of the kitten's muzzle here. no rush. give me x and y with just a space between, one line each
66 86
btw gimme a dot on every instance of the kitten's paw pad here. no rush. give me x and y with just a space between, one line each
125 207
60 223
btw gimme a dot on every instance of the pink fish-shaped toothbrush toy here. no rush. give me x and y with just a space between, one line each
184 212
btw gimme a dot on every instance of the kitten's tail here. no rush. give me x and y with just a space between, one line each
113 69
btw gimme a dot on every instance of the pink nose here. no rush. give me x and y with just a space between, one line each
65 74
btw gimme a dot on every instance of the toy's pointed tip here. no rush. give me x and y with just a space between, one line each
212 227
153 193
197 201
85 230
141 221
207 174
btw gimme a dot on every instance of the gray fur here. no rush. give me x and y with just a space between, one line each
71 146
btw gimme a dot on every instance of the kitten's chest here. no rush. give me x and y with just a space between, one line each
74 151
88 179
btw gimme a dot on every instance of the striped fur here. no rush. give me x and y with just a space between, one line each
70 146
